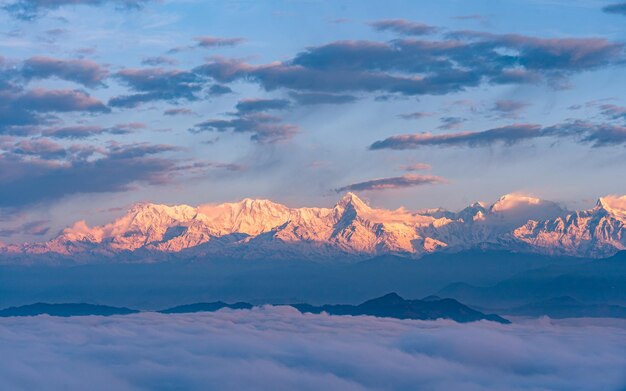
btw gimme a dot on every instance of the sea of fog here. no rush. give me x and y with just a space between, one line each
277 348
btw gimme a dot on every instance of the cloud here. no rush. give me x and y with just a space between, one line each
83 132
278 348
40 170
470 17
463 59
85 72
415 115
255 105
598 135
403 27
506 134
218 90
509 108
42 148
251 117
156 84
416 167
179 111
320 98
408 180
19 107
265 128
211 42
31 9
451 122
35 228
616 8
584 132
208 42
159 60
613 111
60 101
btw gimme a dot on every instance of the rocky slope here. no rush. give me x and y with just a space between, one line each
350 230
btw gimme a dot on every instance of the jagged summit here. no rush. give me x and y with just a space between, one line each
351 199
350 230
613 205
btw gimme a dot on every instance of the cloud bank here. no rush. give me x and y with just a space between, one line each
398 182
583 132
280 349
616 8
31 9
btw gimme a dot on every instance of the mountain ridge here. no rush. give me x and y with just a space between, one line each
351 229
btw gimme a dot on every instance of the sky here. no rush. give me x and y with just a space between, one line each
106 103
281 349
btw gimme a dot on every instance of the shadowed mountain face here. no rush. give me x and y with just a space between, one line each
394 306
66 309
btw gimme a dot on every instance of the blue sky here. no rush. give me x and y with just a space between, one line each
409 103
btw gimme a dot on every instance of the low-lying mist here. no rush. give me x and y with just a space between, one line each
278 348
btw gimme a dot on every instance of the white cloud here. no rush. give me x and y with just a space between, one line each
277 348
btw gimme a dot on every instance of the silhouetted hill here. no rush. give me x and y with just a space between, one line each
66 309
393 305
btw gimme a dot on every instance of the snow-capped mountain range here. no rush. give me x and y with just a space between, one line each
255 229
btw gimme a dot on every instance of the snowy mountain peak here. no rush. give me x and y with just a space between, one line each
351 199
257 228
613 205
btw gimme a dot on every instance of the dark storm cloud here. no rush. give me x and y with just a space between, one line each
403 27
461 60
85 72
30 9
616 8
156 84
584 132
42 171
399 182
